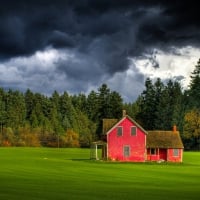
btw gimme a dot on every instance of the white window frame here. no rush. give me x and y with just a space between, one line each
121 131
175 152
135 130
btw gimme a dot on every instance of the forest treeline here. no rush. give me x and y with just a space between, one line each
64 120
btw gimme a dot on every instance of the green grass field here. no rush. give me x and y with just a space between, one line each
44 173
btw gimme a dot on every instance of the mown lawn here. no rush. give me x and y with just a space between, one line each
45 173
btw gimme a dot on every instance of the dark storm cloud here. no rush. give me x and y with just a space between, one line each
33 25
100 34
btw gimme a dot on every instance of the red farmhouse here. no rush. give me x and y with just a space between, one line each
126 140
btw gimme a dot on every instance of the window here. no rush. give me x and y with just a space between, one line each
153 151
175 152
119 131
133 130
126 151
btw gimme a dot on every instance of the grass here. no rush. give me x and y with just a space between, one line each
45 173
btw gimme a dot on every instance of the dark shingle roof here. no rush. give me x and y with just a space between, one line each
164 139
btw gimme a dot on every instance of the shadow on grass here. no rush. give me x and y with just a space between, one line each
132 163
79 159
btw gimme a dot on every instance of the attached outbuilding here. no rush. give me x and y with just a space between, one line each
164 145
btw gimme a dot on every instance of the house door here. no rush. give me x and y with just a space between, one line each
163 154
126 151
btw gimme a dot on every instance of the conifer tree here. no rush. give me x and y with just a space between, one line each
147 106
15 109
92 106
194 91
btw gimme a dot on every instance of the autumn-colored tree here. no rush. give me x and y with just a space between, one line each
192 127
71 138
27 137
7 137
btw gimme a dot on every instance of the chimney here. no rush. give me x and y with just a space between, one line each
174 128
124 113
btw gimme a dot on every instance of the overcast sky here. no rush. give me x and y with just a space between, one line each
77 45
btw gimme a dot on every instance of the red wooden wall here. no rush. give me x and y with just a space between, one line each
165 154
137 143
172 158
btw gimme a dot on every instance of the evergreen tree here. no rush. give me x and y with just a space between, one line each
169 106
55 116
194 91
92 106
109 105
37 115
147 106
177 102
160 105
29 100
116 105
104 107
86 129
68 113
2 110
15 109
55 99
80 102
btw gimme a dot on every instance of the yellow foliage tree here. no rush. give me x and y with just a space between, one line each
72 138
28 137
192 124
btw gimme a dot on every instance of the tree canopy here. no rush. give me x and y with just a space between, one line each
64 120
52 121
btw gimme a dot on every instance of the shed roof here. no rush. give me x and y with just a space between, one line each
164 139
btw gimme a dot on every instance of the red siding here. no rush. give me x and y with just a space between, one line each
161 154
136 143
152 157
172 158
165 154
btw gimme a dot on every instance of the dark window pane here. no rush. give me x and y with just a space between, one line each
153 151
175 152
119 131
133 130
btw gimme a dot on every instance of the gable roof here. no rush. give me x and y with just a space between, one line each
110 124
164 139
